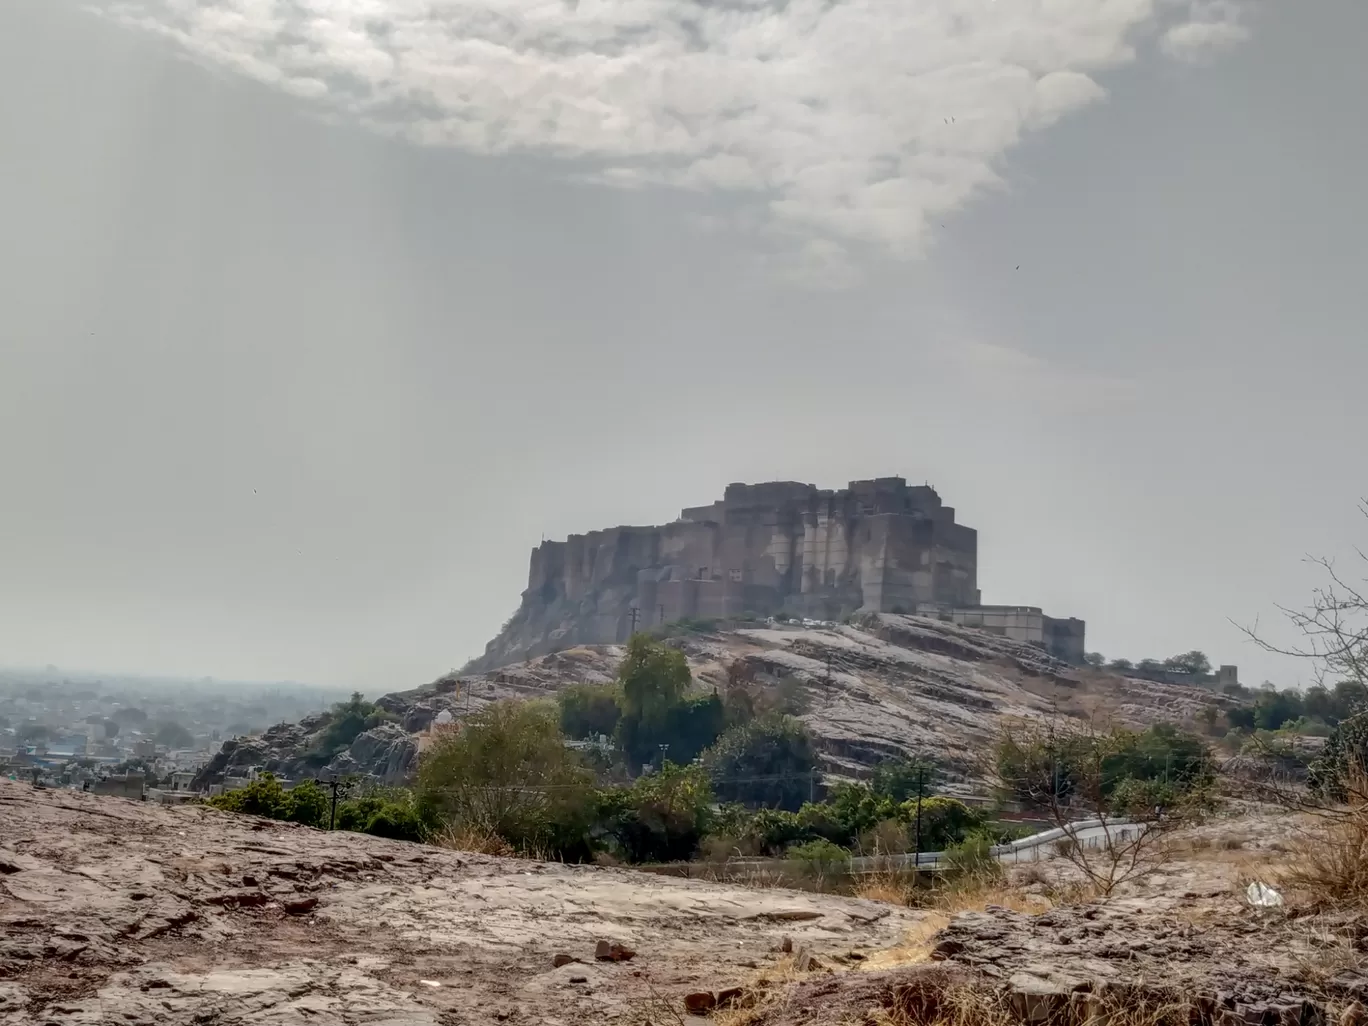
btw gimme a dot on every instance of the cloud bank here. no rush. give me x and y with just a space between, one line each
843 123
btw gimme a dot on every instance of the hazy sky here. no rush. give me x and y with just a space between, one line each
316 316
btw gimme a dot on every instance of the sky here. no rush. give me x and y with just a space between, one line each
316 317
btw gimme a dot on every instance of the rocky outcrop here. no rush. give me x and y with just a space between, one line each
386 753
279 750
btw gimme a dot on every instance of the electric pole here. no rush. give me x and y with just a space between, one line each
332 809
635 613
916 859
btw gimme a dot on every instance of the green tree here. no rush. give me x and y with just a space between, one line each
662 816
308 804
901 779
1194 662
689 728
1274 708
944 821
769 762
1095 659
393 814
346 720
587 710
654 679
1342 767
305 803
1319 704
264 796
1121 665
820 857
507 772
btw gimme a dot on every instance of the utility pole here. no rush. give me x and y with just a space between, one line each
916 858
828 669
635 613
812 785
332 809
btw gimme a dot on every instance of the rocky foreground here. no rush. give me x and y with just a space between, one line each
113 911
889 686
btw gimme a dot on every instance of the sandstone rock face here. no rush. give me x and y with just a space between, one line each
118 911
386 753
277 750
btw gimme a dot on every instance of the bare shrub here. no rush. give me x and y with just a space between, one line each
1330 864
465 837
1066 771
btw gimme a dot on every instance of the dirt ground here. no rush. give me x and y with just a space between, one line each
120 911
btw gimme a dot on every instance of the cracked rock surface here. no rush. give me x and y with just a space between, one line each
115 911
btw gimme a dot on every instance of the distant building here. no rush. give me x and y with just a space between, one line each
123 785
1061 638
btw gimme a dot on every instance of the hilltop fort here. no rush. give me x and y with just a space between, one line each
772 549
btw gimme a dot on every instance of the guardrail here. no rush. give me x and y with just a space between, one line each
1091 833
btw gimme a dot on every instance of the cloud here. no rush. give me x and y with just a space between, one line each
849 124
1213 27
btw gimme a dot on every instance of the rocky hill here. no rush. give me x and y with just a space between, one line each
886 686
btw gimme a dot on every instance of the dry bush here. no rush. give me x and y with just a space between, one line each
975 892
1330 866
1028 873
964 1004
464 837
896 888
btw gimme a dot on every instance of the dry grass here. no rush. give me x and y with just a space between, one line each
1028 889
463 837
1329 866
762 996
915 945
975 893
890 885
967 1005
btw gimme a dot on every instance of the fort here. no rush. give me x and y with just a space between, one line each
778 548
